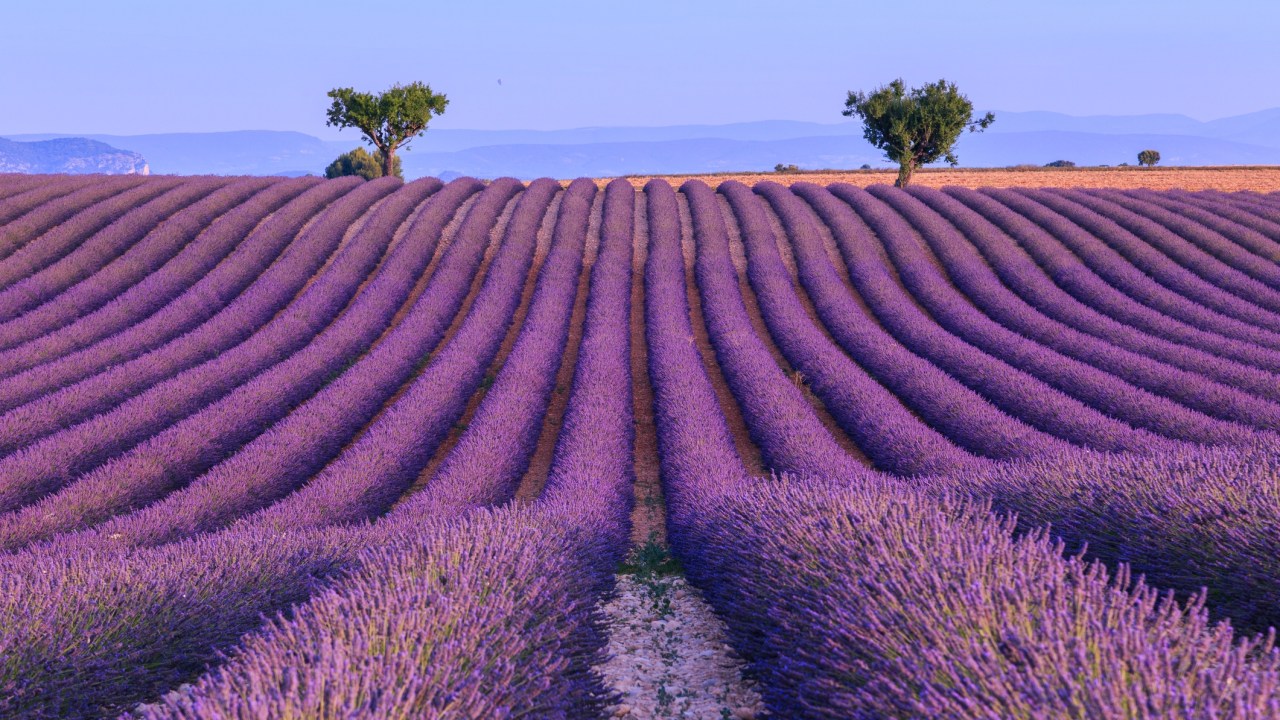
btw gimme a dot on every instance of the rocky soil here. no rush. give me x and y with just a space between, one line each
668 654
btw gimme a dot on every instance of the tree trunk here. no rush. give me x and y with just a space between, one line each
904 173
388 161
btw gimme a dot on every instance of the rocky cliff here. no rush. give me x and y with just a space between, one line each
74 156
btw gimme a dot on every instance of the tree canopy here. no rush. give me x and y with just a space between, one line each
915 127
389 120
1148 158
360 162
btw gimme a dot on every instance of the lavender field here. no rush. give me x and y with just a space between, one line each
302 448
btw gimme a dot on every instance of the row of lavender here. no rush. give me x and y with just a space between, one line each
250 568
777 416
856 594
937 368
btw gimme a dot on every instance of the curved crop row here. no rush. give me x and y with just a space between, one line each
975 279
30 197
1063 252
17 183
552 636
782 423
274 291
593 468
1010 389
163 239
1254 205
694 443
1092 238
243 571
1166 252
299 445
171 458
377 468
51 231
1083 381
266 417
493 453
128 307
51 462
895 441
28 216
999 249
520 581
1215 232
274 256
948 407
1252 226
831 642
88 253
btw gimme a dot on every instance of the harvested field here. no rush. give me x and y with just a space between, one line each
1262 179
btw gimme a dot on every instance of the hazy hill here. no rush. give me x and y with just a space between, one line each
245 152
1016 138
74 156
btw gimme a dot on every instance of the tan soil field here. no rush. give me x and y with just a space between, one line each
1228 178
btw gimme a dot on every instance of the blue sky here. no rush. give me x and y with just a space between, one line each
135 66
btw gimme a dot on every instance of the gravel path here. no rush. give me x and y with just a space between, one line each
668 657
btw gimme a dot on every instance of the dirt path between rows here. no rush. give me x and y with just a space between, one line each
535 476
747 449
648 519
496 234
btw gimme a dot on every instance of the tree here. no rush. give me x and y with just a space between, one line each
388 120
360 162
915 128
1148 158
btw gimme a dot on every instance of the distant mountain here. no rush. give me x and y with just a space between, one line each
643 158
1083 148
1039 121
73 156
1259 128
454 140
829 152
1016 138
245 152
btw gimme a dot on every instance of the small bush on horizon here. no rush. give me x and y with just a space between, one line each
1149 158
1060 164
360 162
780 168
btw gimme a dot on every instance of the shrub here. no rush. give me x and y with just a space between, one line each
360 162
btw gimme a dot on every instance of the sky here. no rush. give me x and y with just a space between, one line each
150 66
